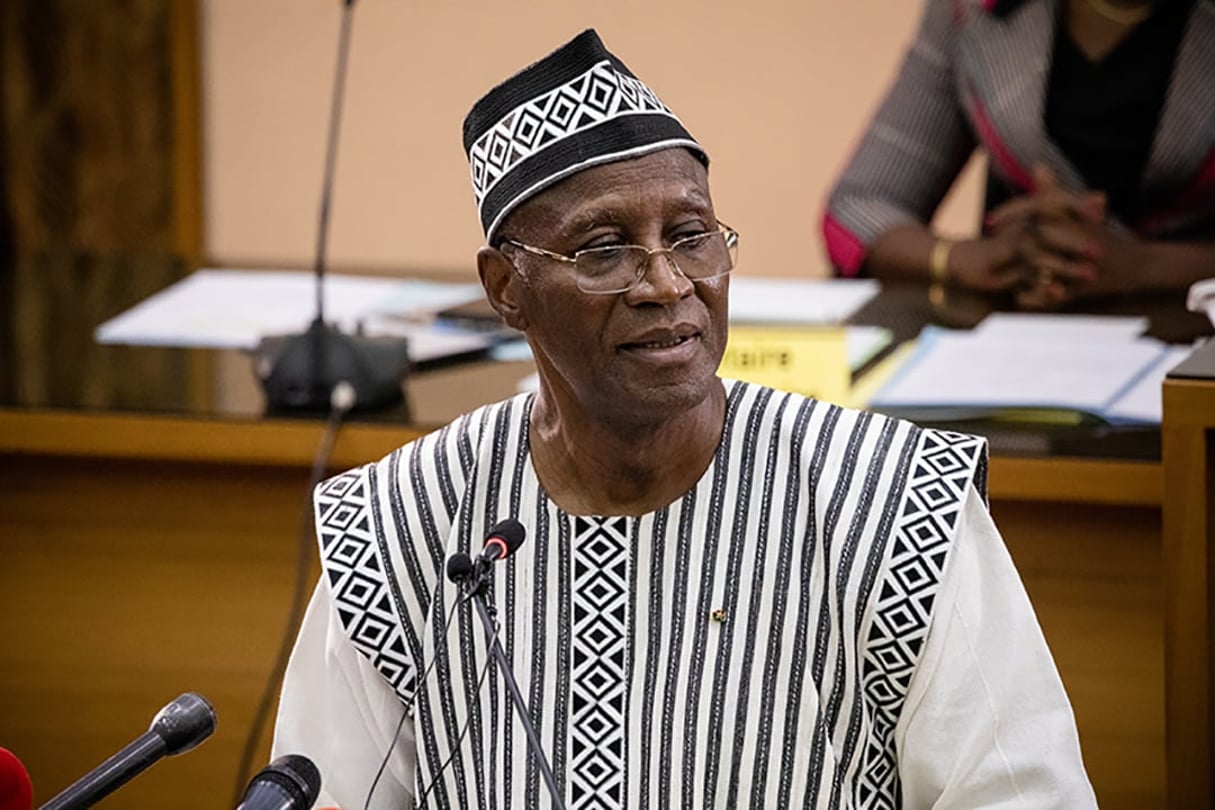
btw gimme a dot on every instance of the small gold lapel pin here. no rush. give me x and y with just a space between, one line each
718 615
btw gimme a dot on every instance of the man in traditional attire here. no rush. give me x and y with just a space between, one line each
728 596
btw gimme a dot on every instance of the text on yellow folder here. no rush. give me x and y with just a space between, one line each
811 360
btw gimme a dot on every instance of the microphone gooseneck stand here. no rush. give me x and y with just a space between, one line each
474 590
299 371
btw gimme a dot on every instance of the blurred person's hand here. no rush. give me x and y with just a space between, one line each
1061 240
989 264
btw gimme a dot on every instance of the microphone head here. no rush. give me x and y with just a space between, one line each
291 776
459 567
511 532
184 723
16 791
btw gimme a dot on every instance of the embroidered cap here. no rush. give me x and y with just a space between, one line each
578 107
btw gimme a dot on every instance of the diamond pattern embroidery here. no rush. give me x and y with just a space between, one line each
597 95
600 633
356 579
935 493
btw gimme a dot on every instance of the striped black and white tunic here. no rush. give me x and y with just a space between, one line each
784 635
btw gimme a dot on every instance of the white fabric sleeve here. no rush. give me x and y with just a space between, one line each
338 711
987 723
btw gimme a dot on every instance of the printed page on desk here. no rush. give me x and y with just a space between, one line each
976 374
797 301
234 309
1143 403
1064 328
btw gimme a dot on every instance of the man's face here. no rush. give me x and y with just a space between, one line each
631 358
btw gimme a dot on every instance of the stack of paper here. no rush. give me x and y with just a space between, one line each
797 302
789 334
235 309
1095 366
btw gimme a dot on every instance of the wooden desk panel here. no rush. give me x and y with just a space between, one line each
1189 571
143 557
1093 573
126 583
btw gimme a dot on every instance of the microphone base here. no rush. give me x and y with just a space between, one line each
298 372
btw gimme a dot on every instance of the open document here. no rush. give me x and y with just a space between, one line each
797 301
235 309
1093 367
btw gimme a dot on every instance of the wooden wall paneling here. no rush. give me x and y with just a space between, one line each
1189 537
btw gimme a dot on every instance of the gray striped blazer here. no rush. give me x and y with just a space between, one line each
976 76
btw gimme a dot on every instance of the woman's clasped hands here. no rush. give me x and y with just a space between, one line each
1047 248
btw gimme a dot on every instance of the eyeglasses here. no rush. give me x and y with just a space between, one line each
619 268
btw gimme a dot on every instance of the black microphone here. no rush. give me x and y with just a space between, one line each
299 372
290 782
503 539
460 567
177 728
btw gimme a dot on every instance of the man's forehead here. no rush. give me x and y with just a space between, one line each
669 182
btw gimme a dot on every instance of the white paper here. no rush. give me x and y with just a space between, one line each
965 369
1066 328
797 301
429 340
863 342
1143 401
529 383
234 309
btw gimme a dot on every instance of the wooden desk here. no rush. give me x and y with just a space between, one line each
1085 536
1189 537
145 556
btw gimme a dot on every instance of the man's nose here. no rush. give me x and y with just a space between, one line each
661 279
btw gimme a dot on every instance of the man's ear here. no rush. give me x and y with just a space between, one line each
500 281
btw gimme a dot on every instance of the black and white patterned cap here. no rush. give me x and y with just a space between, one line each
578 107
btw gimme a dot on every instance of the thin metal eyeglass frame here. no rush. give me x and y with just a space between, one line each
731 237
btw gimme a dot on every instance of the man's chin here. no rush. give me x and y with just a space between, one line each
662 400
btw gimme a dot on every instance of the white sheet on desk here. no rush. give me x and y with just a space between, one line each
863 343
969 369
429 340
797 301
1070 328
234 309
1143 401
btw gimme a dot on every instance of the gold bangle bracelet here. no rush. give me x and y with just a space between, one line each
938 261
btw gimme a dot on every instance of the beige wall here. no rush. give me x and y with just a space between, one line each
776 90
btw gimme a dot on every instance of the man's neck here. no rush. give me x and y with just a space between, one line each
589 468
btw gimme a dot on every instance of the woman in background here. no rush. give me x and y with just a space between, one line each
1098 120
